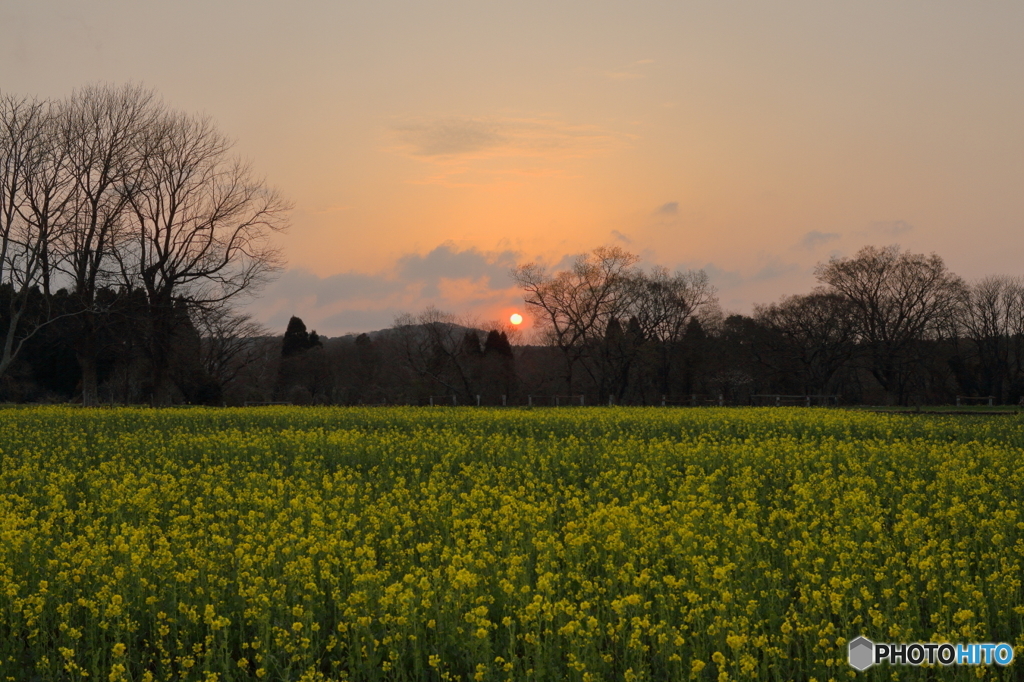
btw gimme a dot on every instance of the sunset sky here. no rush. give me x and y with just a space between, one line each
430 146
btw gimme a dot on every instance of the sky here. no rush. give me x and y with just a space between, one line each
429 147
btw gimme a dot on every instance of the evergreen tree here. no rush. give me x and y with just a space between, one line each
497 343
471 344
498 367
297 339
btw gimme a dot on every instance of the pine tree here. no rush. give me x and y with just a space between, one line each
498 366
497 343
297 339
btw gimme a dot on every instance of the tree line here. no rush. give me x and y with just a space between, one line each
127 229
884 326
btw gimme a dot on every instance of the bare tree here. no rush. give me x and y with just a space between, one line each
108 194
200 229
990 316
573 307
813 336
662 305
901 299
32 200
228 342
433 344
102 129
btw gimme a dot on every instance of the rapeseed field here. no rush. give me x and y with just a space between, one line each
472 544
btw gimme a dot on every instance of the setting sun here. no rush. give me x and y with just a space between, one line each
516 319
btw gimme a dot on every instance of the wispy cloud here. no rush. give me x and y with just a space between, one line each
669 209
492 137
460 280
466 150
774 269
465 281
452 136
813 239
722 278
446 262
740 288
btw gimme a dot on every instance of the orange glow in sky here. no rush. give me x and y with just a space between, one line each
428 148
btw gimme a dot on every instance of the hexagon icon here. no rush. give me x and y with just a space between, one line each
862 653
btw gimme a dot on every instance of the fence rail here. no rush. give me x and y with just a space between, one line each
976 400
779 400
579 400
556 400
695 400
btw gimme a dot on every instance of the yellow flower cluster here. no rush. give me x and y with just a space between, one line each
456 544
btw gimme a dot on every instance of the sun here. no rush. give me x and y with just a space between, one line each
516 319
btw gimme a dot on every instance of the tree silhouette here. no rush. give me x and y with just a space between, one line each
297 339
